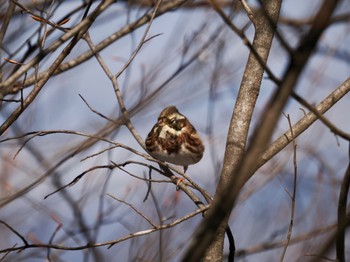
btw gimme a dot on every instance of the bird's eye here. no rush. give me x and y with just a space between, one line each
173 121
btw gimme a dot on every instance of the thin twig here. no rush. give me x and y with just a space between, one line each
135 209
321 117
245 40
51 239
7 253
15 232
142 178
249 12
161 220
80 29
269 245
98 153
166 7
305 122
110 127
95 111
293 195
114 78
77 178
181 185
149 184
39 18
35 134
110 167
111 242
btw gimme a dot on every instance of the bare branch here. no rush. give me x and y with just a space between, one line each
80 29
112 242
342 205
15 232
293 195
321 117
305 122
95 111
135 209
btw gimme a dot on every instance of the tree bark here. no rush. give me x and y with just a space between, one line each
238 173
264 23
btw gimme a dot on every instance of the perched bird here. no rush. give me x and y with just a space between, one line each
173 139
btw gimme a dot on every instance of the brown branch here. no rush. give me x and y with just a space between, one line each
7 253
272 77
304 123
39 18
78 33
161 220
59 226
266 246
237 136
342 205
96 138
80 176
252 47
110 127
239 173
166 172
330 241
293 195
182 186
111 167
80 29
125 112
135 209
308 21
98 153
12 87
111 242
114 78
41 133
321 117
142 178
4 26
15 232
95 111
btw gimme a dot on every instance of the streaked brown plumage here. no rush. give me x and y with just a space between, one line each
174 139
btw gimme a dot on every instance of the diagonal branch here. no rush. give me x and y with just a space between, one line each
83 26
12 87
304 123
111 242
78 33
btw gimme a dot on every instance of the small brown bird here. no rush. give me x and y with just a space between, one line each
173 139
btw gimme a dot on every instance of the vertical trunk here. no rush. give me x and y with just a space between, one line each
264 23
